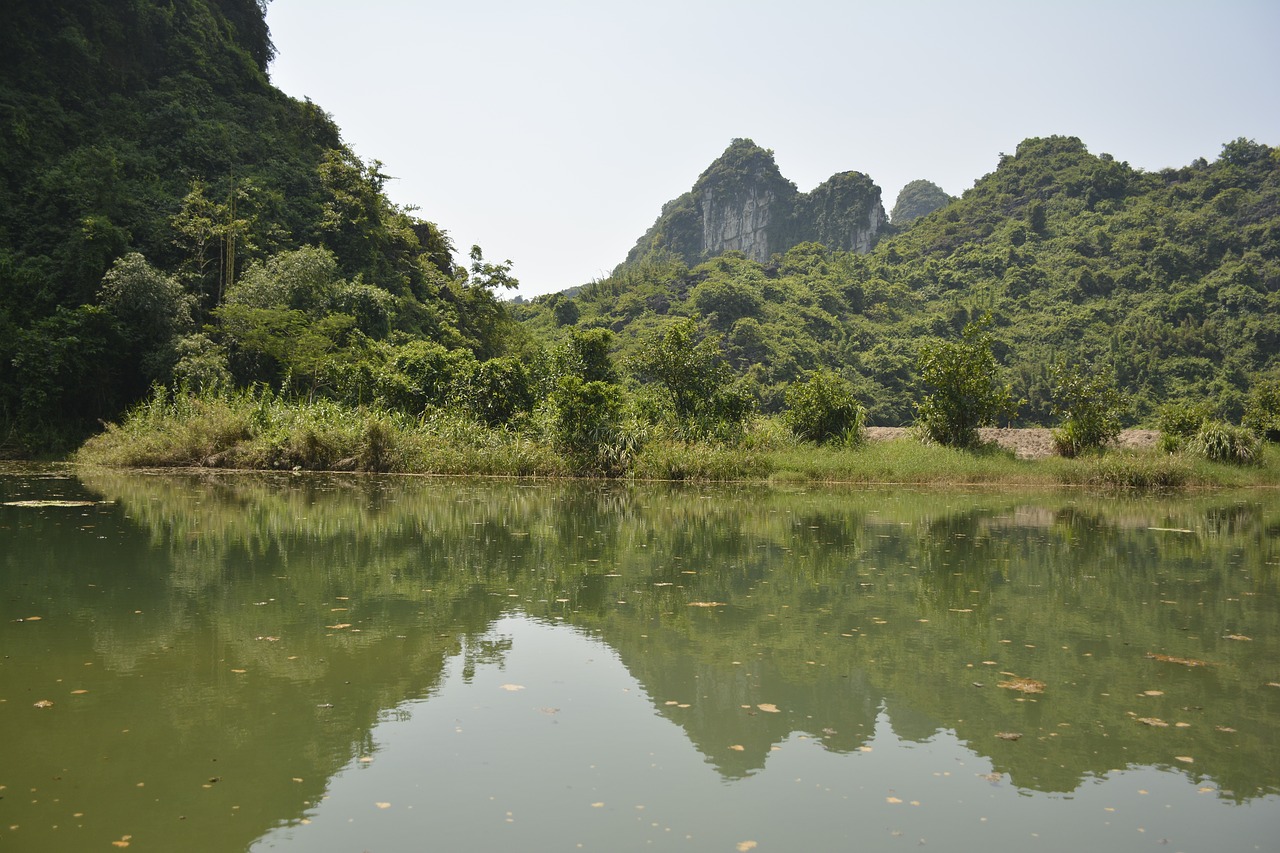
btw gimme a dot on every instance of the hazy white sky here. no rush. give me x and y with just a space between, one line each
552 132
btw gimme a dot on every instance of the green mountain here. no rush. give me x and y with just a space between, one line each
1169 278
743 203
152 180
918 198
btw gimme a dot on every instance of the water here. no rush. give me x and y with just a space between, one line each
243 662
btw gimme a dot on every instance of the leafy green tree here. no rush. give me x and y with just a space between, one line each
493 276
566 312
726 300
1037 216
1091 405
589 355
697 380
201 364
65 370
303 279
417 374
823 408
307 280
152 311
963 387
288 348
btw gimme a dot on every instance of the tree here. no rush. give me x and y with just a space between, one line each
822 408
697 380
287 346
566 312
1091 404
964 388
586 355
493 276
302 279
151 310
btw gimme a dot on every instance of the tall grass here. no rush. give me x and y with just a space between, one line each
1141 472
261 430
258 429
1223 442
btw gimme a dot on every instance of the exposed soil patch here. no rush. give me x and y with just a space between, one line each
1029 443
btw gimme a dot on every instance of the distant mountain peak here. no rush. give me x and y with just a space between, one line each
742 203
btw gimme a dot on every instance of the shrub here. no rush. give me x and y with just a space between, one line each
1223 442
496 390
586 354
420 373
1262 412
1179 422
964 389
822 408
588 426
1091 405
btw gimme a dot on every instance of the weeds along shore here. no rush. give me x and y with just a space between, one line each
263 431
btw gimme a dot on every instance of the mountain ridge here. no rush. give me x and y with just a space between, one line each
742 203
1170 279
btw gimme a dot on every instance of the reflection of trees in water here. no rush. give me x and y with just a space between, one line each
838 603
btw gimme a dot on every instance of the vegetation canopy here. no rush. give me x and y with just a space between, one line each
169 220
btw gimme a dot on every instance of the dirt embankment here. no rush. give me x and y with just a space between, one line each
1029 443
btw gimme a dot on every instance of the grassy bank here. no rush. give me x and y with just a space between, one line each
259 430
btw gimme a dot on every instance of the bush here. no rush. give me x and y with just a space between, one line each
1091 405
418 374
1179 422
1262 412
823 408
496 390
1137 472
965 392
1223 442
588 426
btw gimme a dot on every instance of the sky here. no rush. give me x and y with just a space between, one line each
551 132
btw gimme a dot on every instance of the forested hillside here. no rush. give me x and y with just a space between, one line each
1171 279
169 220
166 215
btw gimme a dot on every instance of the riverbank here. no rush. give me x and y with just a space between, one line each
268 433
1030 443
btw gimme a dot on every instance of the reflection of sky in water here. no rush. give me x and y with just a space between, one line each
578 758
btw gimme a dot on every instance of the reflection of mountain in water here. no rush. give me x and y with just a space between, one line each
834 606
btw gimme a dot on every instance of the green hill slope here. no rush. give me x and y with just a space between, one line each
1171 278
152 128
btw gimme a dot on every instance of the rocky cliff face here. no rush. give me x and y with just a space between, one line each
738 223
843 212
743 203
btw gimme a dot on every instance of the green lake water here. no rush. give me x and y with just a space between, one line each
323 663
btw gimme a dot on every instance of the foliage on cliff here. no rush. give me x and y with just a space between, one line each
916 199
148 165
1170 280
